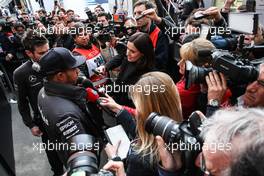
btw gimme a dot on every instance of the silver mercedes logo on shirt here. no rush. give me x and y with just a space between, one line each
32 78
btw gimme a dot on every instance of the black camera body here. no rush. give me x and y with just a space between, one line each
185 135
91 16
238 71
102 33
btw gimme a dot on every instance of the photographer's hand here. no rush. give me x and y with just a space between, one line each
111 150
227 5
116 166
151 13
9 57
170 162
213 12
216 86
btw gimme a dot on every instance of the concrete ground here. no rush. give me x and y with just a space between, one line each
29 161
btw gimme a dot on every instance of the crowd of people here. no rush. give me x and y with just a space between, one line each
155 61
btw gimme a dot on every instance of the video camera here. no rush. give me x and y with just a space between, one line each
91 16
82 161
239 71
103 33
184 134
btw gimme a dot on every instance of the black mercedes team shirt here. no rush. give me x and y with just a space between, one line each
28 83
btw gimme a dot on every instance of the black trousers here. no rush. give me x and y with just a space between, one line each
53 157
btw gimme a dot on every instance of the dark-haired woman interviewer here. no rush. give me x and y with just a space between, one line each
139 59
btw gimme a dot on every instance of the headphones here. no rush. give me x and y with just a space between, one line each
35 66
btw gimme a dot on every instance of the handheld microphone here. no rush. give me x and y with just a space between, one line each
94 97
83 82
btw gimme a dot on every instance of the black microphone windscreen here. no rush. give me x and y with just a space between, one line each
87 83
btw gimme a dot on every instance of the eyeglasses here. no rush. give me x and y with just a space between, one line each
203 166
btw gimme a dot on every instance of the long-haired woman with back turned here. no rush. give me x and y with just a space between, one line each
157 94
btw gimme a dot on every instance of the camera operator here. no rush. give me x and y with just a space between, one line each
62 104
28 82
61 14
189 6
63 39
94 59
98 9
211 17
19 31
195 96
159 40
226 134
130 25
144 157
104 35
253 97
43 17
69 14
26 20
107 43
102 18
9 41
56 20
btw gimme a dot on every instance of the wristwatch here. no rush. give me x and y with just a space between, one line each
214 103
116 158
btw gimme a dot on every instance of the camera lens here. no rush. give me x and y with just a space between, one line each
82 161
163 126
81 157
194 74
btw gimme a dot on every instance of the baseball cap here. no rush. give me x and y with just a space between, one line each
59 59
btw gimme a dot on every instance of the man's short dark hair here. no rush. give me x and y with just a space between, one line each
103 14
33 39
19 24
148 4
99 6
24 13
61 10
68 11
42 10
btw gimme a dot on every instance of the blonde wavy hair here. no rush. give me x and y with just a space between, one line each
189 51
164 100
